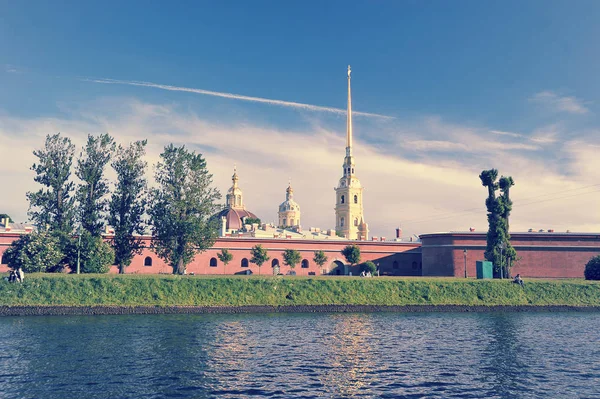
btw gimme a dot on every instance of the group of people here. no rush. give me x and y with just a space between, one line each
16 276
367 274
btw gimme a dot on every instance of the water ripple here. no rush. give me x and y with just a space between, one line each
512 355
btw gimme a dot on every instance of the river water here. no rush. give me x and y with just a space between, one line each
389 355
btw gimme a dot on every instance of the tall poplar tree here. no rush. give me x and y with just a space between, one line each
181 207
128 202
91 193
510 254
53 206
498 213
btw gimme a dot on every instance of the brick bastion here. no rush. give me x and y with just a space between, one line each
542 254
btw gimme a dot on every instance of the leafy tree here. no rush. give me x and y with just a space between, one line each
5 216
352 254
95 255
320 258
128 203
93 189
499 209
251 220
368 266
225 256
592 269
510 254
181 207
291 258
259 256
53 205
35 252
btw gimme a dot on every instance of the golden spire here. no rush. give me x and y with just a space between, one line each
349 118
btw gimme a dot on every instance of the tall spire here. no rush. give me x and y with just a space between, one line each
349 118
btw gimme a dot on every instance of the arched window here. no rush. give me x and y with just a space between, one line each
244 262
238 200
305 263
213 262
285 222
147 261
352 170
356 221
415 266
395 265
342 222
275 262
342 199
356 199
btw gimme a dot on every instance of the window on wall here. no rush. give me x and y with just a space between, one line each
213 262
244 262
341 222
356 199
356 221
275 262
285 222
415 266
305 263
342 199
147 261
395 265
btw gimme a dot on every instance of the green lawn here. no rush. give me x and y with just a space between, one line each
169 290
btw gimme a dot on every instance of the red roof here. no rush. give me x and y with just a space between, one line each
234 217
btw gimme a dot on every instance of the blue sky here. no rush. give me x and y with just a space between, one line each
468 84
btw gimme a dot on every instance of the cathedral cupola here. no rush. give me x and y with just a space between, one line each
235 212
289 210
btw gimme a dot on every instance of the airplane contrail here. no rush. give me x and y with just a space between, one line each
282 103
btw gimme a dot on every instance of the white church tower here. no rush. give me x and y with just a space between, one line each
349 205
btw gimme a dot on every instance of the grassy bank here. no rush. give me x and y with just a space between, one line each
137 290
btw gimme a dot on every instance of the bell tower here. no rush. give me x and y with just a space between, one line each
349 219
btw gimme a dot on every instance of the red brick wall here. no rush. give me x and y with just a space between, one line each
542 254
406 255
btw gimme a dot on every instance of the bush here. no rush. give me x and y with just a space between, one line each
368 266
35 252
96 256
592 269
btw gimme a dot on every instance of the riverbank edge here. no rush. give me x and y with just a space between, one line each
146 310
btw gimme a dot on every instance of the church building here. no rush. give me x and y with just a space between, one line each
349 216
235 212
289 210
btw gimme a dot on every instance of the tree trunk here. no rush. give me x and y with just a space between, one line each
179 269
122 268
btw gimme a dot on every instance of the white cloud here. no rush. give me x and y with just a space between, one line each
423 195
281 103
558 103
435 145
509 134
546 134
